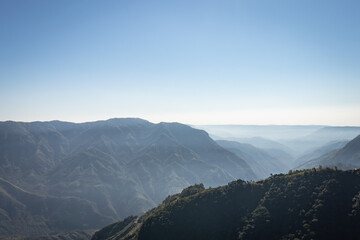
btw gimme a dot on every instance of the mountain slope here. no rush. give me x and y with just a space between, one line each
74 235
264 143
347 157
259 160
24 213
318 152
311 204
119 166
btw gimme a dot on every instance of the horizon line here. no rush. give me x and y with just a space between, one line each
190 124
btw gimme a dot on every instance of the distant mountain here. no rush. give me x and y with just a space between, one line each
118 167
347 157
264 143
295 140
281 155
273 132
335 133
262 162
310 204
318 152
321 137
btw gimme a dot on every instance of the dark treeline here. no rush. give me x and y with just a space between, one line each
310 204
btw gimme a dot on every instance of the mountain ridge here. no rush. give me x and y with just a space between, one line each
263 162
347 157
119 166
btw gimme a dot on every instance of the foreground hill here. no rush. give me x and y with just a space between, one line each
347 157
111 169
310 204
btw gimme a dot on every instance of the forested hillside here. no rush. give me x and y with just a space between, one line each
309 204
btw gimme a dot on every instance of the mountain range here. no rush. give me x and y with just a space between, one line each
318 152
60 176
347 157
263 161
296 140
62 180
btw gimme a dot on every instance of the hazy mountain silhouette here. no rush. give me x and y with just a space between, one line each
318 152
347 157
118 167
321 137
262 162
264 143
296 140
272 132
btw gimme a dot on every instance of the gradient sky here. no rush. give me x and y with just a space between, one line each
198 62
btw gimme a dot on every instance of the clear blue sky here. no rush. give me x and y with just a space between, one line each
200 62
